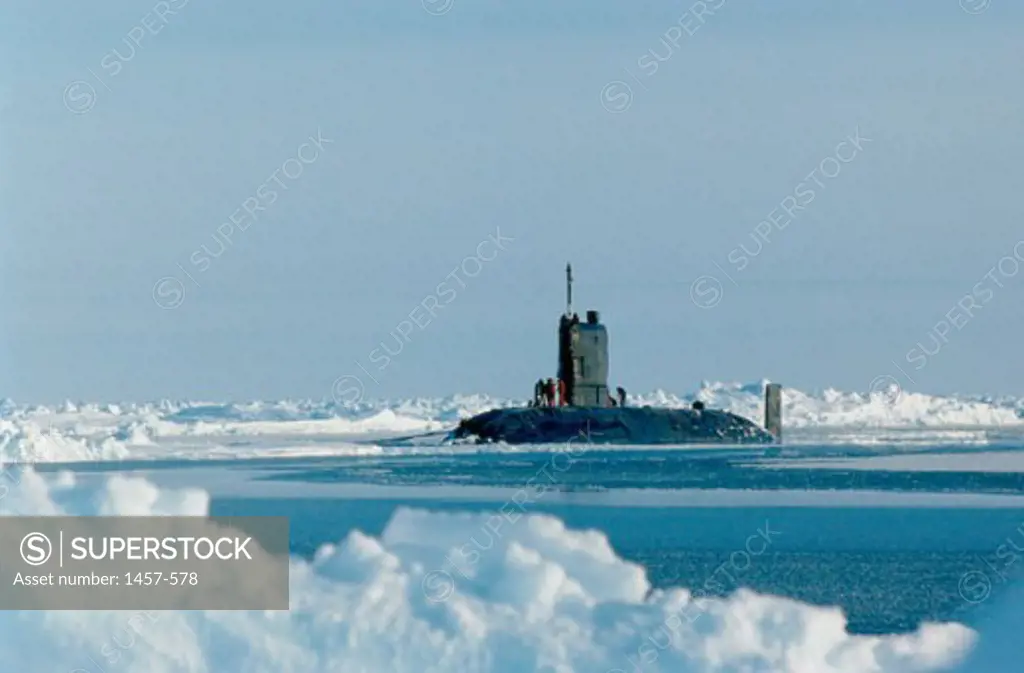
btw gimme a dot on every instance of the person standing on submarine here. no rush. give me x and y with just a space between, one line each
538 393
549 393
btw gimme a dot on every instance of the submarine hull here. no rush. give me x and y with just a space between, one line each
611 425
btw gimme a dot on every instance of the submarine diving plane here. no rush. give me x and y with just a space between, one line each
585 408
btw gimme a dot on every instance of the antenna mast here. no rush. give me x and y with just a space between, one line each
568 289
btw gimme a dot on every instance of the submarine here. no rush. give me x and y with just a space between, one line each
585 409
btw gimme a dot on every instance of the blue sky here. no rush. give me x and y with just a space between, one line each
441 130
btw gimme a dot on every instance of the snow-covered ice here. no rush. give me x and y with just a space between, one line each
201 430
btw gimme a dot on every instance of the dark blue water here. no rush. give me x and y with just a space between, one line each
889 569
594 469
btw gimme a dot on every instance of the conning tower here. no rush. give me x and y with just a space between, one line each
582 355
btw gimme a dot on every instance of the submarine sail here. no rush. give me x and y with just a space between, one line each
584 406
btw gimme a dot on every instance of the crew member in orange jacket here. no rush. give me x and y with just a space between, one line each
562 401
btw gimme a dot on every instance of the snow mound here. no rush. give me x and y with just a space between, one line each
31 443
885 409
528 595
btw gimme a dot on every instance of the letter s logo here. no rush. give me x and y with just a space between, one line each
706 292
